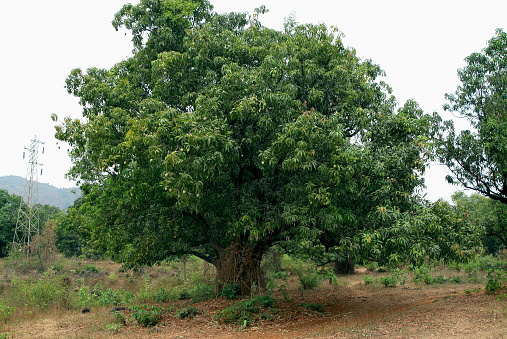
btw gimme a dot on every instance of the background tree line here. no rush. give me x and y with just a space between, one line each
9 209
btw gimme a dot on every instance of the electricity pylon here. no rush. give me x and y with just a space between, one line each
28 222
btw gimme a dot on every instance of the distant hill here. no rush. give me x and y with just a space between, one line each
50 195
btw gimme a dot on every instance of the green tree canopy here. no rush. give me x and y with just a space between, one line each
489 215
478 158
220 137
9 205
9 211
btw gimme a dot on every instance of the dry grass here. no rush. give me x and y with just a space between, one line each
351 308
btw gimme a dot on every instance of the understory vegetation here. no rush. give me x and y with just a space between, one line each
174 290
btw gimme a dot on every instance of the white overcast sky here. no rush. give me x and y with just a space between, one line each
420 45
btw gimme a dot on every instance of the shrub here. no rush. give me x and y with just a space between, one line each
286 296
280 275
90 269
456 280
146 316
388 281
310 280
265 300
428 279
183 294
187 312
368 280
313 306
371 266
202 291
329 275
161 295
440 279
104 297
232 314
243 312
21 264
294 265
5 311
399 276
86 270
496 281
41 293
114 327
113 297
230 291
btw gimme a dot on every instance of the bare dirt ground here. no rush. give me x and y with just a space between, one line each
351 310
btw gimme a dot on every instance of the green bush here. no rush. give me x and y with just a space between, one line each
146 316
330 276
440 279
310 280
496 281
234 313
230 291
244 312
368 280
280 275
114 327
421 274
5 311
265 300
86 270
313 306
428 279
113 297
388 281
295 266
161 295
371 266
23 265
103 297
456 280
187 312
202 291
483 264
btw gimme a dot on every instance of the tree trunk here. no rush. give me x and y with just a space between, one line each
344 266
240 264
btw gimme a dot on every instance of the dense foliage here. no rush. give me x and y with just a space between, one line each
489 216
9 205
9 210
220 137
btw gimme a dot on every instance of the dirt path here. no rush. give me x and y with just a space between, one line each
441 312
